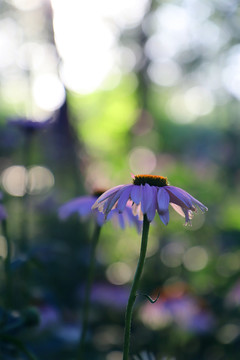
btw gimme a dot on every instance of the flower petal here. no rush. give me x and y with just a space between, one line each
99 218
165 217
133 220
81 205
124 197
179 197
121 220
188 216
147 198
111 201
136 210
153 206
163 200
178 209
106 195
199 204
136 194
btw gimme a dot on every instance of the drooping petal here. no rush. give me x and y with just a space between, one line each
178 209
202 207
191 199
124 197
165 217
179 197
153 206
133 220
99 218
188 216
147 197
121 220
136 194
163 200
81 205
106 195
136 210
111 201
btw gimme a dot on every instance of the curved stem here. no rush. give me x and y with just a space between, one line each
135 285
7 265
86 304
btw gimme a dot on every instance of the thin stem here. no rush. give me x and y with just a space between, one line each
26 213
86 304
7 265
135 285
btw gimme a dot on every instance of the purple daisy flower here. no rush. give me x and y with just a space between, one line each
83 206
149 194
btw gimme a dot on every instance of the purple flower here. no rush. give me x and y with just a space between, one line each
3 213
233 297
83 206
28 125
149 194
179 306
109 295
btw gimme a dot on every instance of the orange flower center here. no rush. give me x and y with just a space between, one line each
151 180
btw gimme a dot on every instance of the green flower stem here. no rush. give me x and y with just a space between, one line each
135 285
7 265
26 211
86 304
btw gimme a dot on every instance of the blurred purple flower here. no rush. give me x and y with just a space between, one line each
109 295
28 125
3 213
149 194
49 317
233 296
83 206
186 310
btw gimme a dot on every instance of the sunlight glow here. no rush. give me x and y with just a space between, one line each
228 333
119 273
40 180
199 101
230 73
187 105
10 34
14 180
195 258
142 160
26 5
87 39
48 92
172 253
17 180
164 73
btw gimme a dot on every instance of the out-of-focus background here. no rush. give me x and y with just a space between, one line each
90 92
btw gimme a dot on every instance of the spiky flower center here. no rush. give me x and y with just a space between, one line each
151 180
